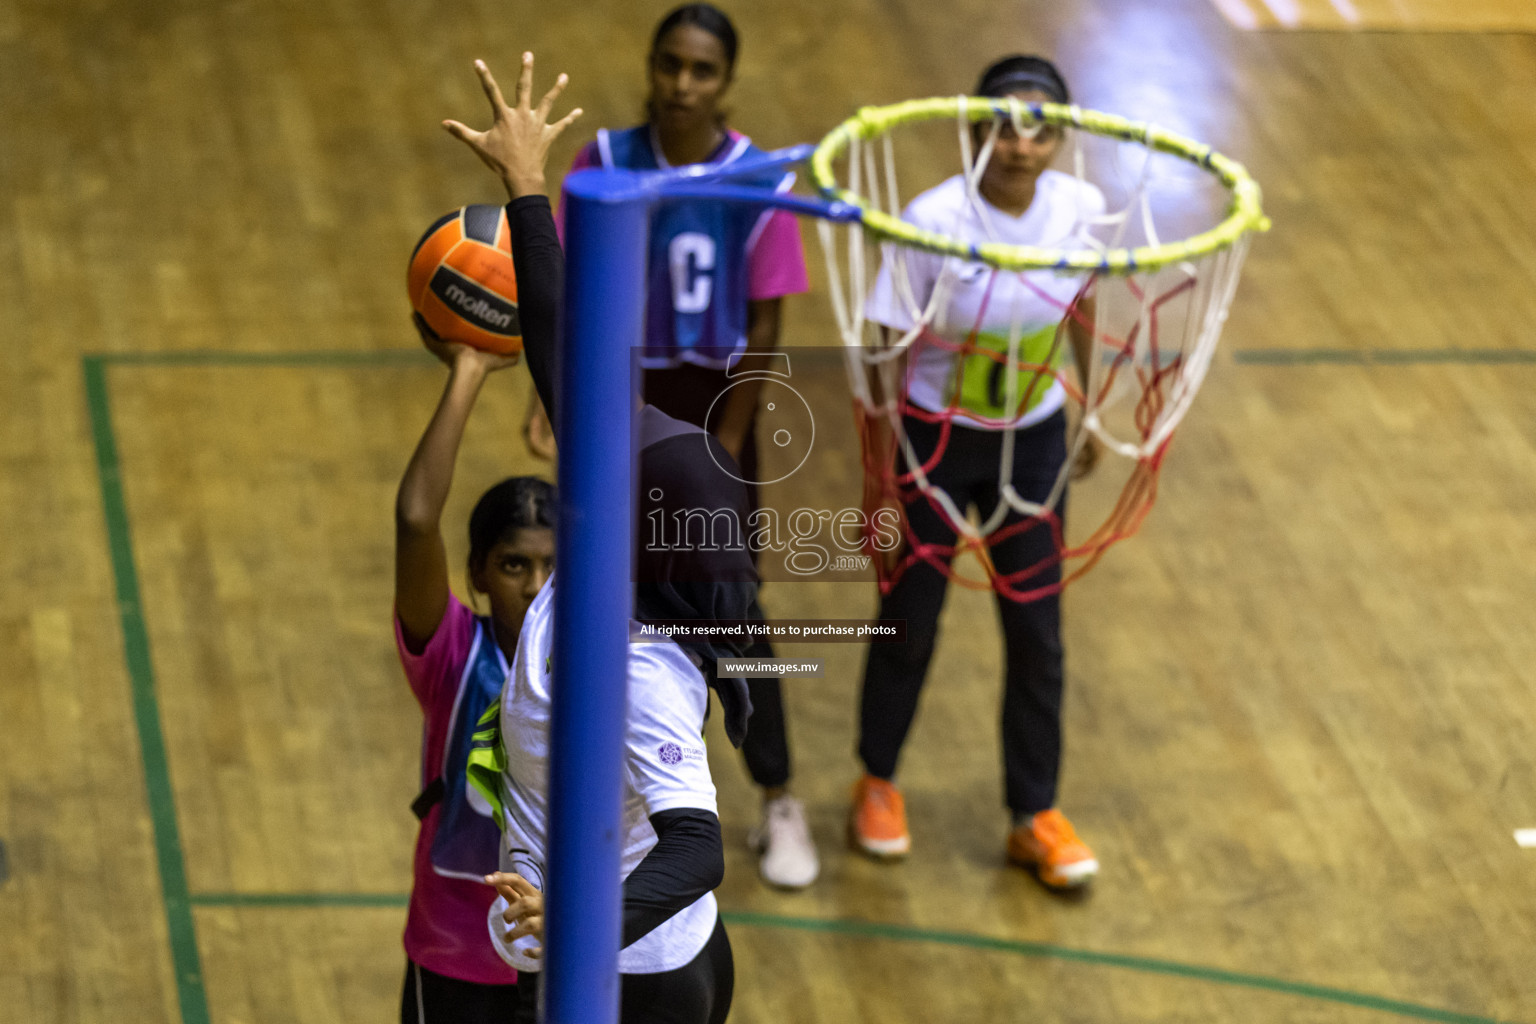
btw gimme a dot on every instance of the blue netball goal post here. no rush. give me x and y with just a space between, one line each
607 217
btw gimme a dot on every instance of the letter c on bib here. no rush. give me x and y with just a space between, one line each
692 258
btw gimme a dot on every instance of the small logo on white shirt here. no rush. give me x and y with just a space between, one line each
672 754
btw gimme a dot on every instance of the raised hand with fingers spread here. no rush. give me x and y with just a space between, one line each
517 143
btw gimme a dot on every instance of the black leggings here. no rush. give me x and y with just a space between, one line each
699 992
894 673
766 746
431 998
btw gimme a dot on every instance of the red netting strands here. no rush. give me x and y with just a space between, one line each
887 487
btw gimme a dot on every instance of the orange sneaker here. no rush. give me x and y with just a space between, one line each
877 822
1048 844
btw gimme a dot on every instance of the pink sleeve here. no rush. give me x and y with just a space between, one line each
776 265
441 662
587 157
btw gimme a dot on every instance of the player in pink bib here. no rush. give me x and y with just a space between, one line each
457 663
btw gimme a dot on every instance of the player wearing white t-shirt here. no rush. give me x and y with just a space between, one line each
665 769
962 400
989 304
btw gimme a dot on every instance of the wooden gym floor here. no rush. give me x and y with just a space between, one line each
1301 704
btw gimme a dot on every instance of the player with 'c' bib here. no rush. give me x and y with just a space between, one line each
716 276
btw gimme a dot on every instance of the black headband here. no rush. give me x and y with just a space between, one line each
1023 80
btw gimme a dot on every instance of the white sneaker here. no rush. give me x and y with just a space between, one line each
784 839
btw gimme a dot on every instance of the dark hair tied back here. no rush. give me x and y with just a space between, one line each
1023 74
517 503
707 17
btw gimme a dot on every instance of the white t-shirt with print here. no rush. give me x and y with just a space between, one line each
1036 299
665 768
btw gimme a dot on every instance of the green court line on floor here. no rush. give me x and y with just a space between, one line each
1381 356
907 933
146 710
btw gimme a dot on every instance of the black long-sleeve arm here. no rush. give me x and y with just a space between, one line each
687 861
539 262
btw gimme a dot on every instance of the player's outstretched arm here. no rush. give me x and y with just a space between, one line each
516 145
421 565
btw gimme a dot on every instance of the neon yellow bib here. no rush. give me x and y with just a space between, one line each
981 377
487 760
